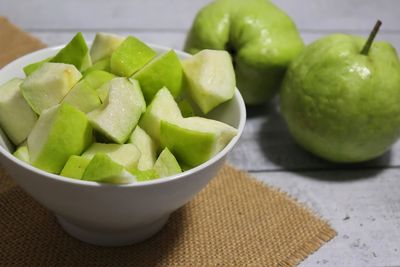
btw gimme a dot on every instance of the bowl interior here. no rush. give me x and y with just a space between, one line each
232 112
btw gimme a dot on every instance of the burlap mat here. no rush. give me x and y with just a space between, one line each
234 221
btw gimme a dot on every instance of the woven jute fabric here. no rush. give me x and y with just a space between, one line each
234 221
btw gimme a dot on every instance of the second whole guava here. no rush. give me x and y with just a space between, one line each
260 37
340 104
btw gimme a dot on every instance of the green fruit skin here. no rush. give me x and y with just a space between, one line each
190 147
126 155
102 168
145 175
163 71
130 56
102 64
166 164
96 78
28 69
75 167
67 137
261 38
341 105
75 52
186 108
83 97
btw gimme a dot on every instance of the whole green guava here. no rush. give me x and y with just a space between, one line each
341 104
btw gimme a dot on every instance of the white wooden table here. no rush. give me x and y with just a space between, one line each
362 202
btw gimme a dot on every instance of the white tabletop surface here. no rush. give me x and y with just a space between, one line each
361 202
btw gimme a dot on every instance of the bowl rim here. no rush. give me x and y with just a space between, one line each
59 178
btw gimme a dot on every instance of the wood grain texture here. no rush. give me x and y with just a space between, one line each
362 206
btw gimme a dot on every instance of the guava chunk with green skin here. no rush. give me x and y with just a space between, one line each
210 77
97 78
127 155
103 64
60 132
130 56
145 175
194 140
28 69
163 107
22 153
75 53
75 167
118 115
101 85
16 116
47 86
186 108
103 169
147 147
166 164
104 45
165 70
83 97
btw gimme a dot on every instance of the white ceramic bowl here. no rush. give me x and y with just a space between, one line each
115 215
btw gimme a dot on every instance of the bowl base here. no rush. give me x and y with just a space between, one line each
112 239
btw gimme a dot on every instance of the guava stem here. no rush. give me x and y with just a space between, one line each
371 38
